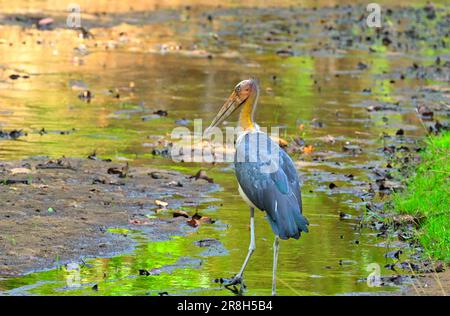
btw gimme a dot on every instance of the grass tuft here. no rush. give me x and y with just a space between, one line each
427 195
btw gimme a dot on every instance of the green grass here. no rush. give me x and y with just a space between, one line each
427 195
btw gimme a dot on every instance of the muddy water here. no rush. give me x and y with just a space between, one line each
322 90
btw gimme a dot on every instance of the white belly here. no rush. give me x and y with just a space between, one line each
245 198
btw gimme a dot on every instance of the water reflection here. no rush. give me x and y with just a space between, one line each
296 90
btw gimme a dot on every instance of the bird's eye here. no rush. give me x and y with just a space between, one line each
238 89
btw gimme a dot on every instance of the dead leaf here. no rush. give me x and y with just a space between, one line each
201 174
281 142
161 203
122 172
193 222
308 149
179 213
207 220
20 170
198 219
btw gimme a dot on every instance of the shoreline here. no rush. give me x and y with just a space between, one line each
59 211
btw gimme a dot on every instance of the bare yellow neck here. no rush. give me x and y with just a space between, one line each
246 121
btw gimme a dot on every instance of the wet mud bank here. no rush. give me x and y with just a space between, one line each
410 263
58 211
349 99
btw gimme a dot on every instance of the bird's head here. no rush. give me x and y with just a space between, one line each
244 91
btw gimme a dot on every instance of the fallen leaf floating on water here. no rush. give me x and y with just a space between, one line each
20 170
201 174
123 172
161 203
161 113
198 219
180 213
281 142
308 149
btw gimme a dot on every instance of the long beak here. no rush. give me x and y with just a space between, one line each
230 105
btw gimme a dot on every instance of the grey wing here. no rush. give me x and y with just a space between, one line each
292 176
277 192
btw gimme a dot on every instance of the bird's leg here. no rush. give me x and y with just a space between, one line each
237 279
252 246
276 246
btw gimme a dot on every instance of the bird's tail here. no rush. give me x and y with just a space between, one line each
287 221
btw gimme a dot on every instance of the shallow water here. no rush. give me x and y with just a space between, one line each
325 87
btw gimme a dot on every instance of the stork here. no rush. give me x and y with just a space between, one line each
266 175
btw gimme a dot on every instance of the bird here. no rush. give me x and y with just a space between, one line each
266 175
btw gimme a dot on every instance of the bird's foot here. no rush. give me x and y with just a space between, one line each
237 279
231 284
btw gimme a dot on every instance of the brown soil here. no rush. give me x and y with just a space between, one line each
56 212
431 284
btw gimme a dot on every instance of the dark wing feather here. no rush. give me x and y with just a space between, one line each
276 192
